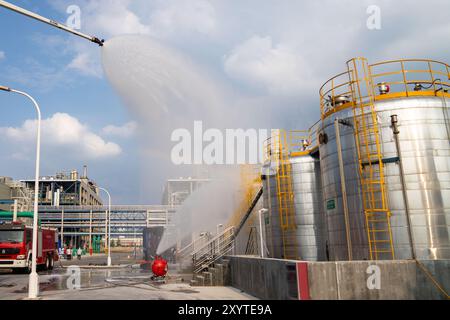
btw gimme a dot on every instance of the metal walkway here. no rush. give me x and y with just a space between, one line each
126 221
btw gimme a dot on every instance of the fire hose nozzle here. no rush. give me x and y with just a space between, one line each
5 88
98 41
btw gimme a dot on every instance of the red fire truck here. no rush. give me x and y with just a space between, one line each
16 240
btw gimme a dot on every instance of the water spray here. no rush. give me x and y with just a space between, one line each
53 23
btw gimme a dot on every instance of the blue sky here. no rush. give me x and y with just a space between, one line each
270 53
36 62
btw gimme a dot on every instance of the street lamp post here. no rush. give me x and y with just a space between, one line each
108 228
33 282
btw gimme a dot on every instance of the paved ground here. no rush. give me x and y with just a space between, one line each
127 282
149 292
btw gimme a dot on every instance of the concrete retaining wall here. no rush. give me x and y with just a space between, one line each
282 279
268 279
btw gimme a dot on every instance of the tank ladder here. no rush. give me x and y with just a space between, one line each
285 195
371 169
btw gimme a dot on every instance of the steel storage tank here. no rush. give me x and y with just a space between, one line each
332 196
272 222
310 232
421 105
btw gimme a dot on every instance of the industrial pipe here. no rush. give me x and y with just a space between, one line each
344 189
53 23
396 132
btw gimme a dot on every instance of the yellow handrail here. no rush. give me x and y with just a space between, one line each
334 92
299 142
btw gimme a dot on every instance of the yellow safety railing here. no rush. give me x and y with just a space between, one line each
299 143
390 79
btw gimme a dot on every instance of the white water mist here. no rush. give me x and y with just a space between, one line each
164 90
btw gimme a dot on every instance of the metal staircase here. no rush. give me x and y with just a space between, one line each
285 194
206 254
371 169
187 251
219 246
252 242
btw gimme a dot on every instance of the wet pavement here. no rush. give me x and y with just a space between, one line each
127 281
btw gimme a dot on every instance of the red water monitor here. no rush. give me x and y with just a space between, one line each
159 267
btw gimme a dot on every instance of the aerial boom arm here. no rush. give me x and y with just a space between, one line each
58 25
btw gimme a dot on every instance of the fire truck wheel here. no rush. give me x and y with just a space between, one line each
27 269
47 263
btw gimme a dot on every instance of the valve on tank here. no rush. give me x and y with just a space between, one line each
383 88
418 87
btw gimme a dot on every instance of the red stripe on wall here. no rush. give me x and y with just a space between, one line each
302 280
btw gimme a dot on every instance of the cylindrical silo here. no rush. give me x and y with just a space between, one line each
421 105
308 238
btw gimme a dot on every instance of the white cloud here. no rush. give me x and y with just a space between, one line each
181 17
2 55
86 65
63 133
276 68
111 18
125 131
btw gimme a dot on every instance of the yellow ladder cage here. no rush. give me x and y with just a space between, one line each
371 168
285 194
